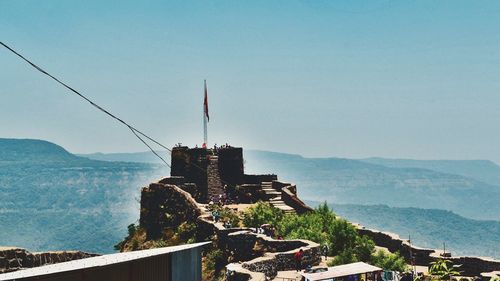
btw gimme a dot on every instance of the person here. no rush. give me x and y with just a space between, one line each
325 251
216 216
298 260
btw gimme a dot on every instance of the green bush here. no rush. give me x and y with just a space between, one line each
321 226
324 227
364 248
262 213
213 264
389 261
346 256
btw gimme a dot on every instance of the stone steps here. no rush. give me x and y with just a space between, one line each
213 177
274 198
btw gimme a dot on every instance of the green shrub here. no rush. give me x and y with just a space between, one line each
262 213
389 261
213 264
324 227
346 256
364 248
226 214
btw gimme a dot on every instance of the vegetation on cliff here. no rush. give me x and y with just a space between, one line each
136 240
324 227
428 227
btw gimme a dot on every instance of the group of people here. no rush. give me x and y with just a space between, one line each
268 230
228 197
204 146
222 146
216 216
223 199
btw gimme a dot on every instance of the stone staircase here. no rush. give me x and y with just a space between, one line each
274 198
213 177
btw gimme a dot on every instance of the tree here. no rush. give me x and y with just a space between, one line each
342 236
364 248
389 261
345 257
261 213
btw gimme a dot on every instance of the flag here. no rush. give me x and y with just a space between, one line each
205 103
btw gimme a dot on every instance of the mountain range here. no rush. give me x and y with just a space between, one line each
58 200
428 228
53 200
350 181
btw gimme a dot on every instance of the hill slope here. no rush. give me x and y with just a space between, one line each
53 200
429 227
139 157
347 181
483 170
353 181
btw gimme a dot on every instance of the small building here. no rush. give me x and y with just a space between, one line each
176 263
354 271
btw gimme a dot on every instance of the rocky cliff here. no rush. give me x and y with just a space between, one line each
12 259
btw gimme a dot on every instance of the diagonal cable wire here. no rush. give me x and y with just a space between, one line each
136 132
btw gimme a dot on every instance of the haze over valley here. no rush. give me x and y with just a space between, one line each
56 200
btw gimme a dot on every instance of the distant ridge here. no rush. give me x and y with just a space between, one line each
68 201
54 200
351 181
483 170
32 150
467 187
139 157
428 227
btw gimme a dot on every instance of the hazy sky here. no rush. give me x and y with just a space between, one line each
409 79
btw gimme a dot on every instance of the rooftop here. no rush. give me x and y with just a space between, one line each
95 262
342 270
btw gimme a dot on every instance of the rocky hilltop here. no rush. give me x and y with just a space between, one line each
180 208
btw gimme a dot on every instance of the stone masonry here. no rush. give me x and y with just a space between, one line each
215 186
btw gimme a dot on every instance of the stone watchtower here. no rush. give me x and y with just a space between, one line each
207 169
198 174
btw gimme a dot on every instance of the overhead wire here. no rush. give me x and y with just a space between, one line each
134 130
137 133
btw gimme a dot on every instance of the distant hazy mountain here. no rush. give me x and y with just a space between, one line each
139 157
53 200
347 181
465 187
429 227
483 170
27 151
56 200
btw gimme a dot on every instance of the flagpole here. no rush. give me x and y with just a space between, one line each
205 131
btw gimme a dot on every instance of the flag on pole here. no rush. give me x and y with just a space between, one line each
206 117
205 103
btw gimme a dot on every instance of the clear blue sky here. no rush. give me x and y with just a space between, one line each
409 79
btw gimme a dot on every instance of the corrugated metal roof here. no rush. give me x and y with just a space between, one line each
342 270
95 261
